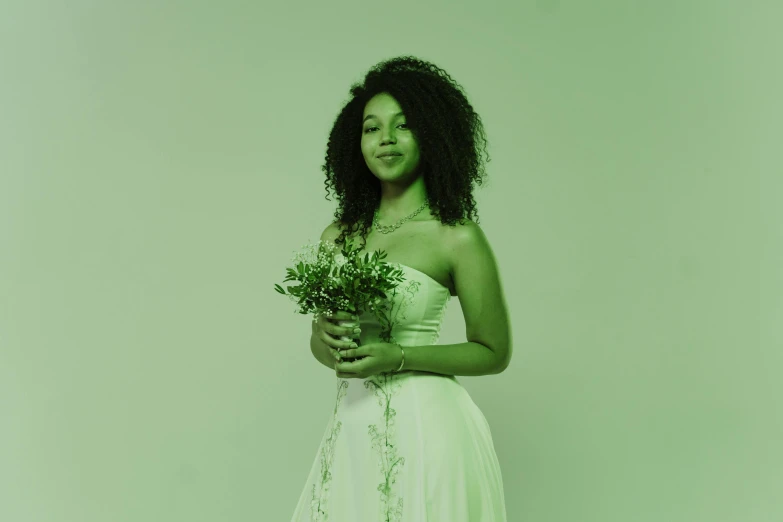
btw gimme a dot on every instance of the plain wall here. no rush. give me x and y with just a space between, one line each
160 165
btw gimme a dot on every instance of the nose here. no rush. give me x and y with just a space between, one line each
387 135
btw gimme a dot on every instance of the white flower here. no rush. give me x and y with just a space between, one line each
339 260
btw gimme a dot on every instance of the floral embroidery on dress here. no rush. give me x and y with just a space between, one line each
318 506
384 386
387 323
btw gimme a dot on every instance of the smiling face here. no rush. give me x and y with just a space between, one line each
384 130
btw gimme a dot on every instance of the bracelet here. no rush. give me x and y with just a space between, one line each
403 359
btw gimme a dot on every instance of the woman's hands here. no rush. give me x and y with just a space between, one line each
373 359
328 331
370 359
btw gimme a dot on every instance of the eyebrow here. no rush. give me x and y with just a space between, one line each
376 117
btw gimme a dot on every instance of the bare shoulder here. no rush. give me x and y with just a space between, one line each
334 230
461 237
331 232
460 230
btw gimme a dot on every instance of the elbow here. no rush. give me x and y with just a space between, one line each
504 359
500 368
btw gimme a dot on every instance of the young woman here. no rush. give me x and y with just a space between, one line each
406 443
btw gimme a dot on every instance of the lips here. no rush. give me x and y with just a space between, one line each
384 154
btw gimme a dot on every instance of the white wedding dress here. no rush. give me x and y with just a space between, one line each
409 446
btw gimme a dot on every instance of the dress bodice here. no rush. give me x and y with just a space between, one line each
418 305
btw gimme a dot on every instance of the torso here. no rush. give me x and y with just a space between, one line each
417 243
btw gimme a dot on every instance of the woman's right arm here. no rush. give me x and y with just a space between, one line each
318 347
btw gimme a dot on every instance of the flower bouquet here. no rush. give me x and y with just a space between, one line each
346 281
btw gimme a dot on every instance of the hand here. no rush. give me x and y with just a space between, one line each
374 358
326 329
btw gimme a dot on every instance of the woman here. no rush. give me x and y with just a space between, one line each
406 443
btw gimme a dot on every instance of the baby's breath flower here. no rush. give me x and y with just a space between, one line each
331 281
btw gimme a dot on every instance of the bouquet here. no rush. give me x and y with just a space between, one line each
330 282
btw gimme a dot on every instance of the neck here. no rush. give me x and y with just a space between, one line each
396 213
400 200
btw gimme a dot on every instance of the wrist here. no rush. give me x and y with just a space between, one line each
401 358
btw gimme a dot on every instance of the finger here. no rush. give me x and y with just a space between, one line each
352 329
351 360
342 315
343 366
330 340
343 373
343 330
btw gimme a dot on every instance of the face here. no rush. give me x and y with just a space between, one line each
385 130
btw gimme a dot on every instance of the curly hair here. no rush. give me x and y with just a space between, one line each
447 131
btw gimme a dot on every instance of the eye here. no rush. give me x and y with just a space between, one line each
368 129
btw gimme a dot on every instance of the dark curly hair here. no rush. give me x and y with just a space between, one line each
447 131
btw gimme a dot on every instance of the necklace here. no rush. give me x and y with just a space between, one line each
391 228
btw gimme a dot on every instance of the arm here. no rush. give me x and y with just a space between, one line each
470 358
319 348
487 329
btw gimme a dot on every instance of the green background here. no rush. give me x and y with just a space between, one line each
160 164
